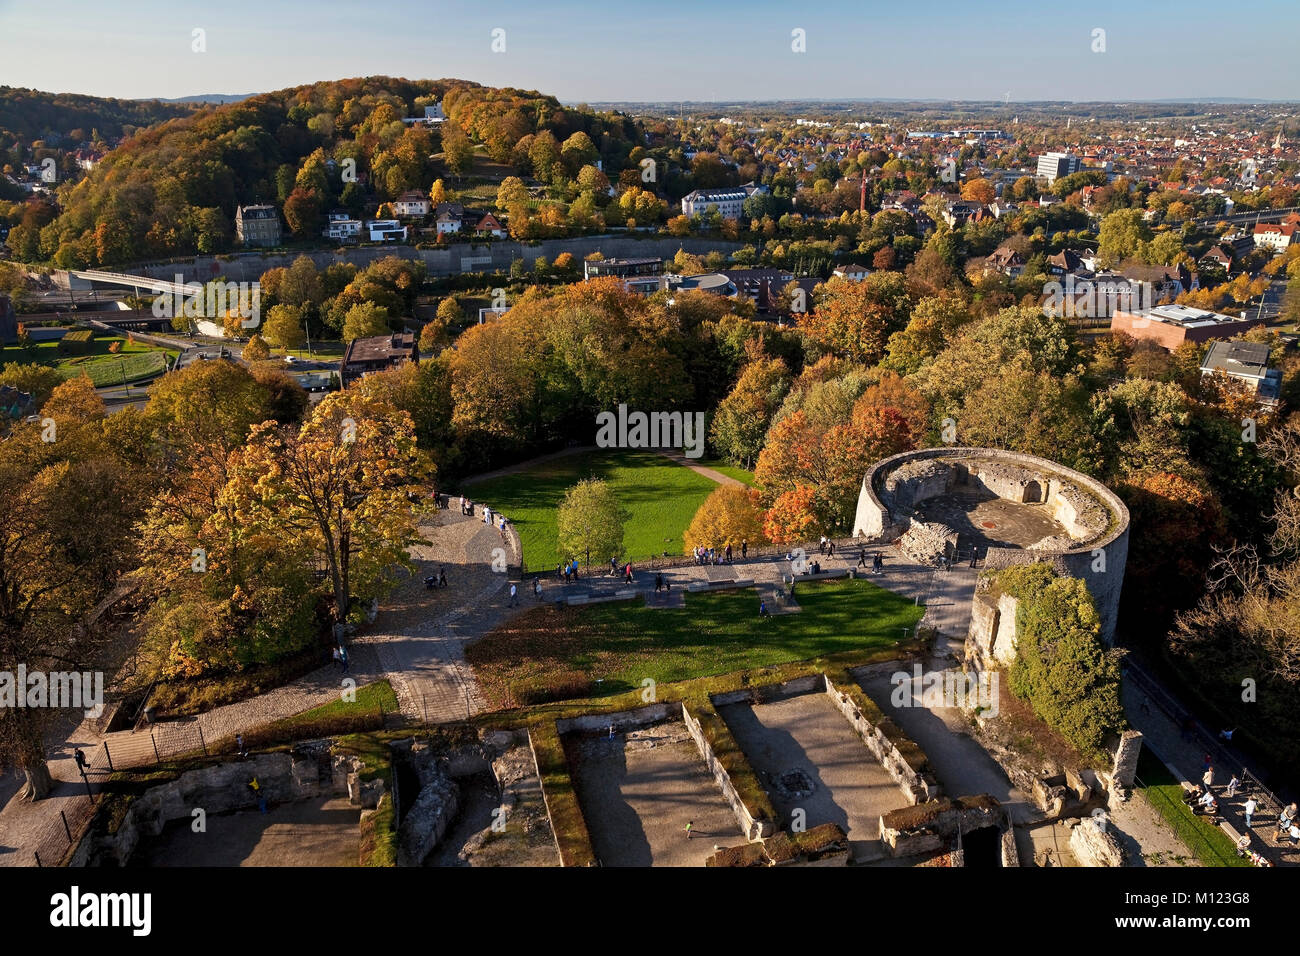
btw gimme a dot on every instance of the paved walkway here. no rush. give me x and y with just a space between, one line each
711 473
1184 753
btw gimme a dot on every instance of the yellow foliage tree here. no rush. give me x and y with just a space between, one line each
729 515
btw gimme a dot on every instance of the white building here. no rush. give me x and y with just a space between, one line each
728 201
342 227
386 230
1052 166
1276 236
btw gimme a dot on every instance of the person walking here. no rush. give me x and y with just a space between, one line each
1249 809
877 564
1208 777
343 656
442 577
744 549
690 824
627 573
862 557
830 548
821 545
337 658
1284 820
514 596
728 552
1233 786
659 582
537 588
239 746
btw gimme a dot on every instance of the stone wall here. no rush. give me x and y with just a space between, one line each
283 778
933 825
752 828
452 259
1096 518
913 784
622 721
991 639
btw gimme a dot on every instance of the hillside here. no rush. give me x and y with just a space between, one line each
33 115
174 189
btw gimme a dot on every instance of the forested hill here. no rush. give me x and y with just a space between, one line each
174 189
29 115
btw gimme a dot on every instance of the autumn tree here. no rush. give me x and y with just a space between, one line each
855 319
284 327
345 481
728 516
742 418
256 349
65 537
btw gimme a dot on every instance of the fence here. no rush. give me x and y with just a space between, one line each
1189 833
666 561
120 751
1251 785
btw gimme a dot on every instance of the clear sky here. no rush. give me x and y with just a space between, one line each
647 50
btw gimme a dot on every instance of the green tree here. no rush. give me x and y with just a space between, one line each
365 319
590 521
284 327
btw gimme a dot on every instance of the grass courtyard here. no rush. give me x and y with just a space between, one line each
660 496
133 363
561 653
1165 794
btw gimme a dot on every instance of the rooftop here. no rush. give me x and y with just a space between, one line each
1237 358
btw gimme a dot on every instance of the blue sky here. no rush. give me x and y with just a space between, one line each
665 49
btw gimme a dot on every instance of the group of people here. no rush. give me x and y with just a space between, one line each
625 570
1201 799
438 580
826 546
466 507
341 657
877 561
568 570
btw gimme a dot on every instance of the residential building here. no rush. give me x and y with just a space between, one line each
257 225
1005 260
1276 236
728 201
1052 166
1247 363
377 354
411 203
490 225
385 230
1171 325
852 272
342 227
433 116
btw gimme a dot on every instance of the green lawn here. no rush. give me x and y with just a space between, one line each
1165 794
728 469
562 652
660 495
136 361
319 350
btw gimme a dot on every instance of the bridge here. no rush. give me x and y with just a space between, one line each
137 283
